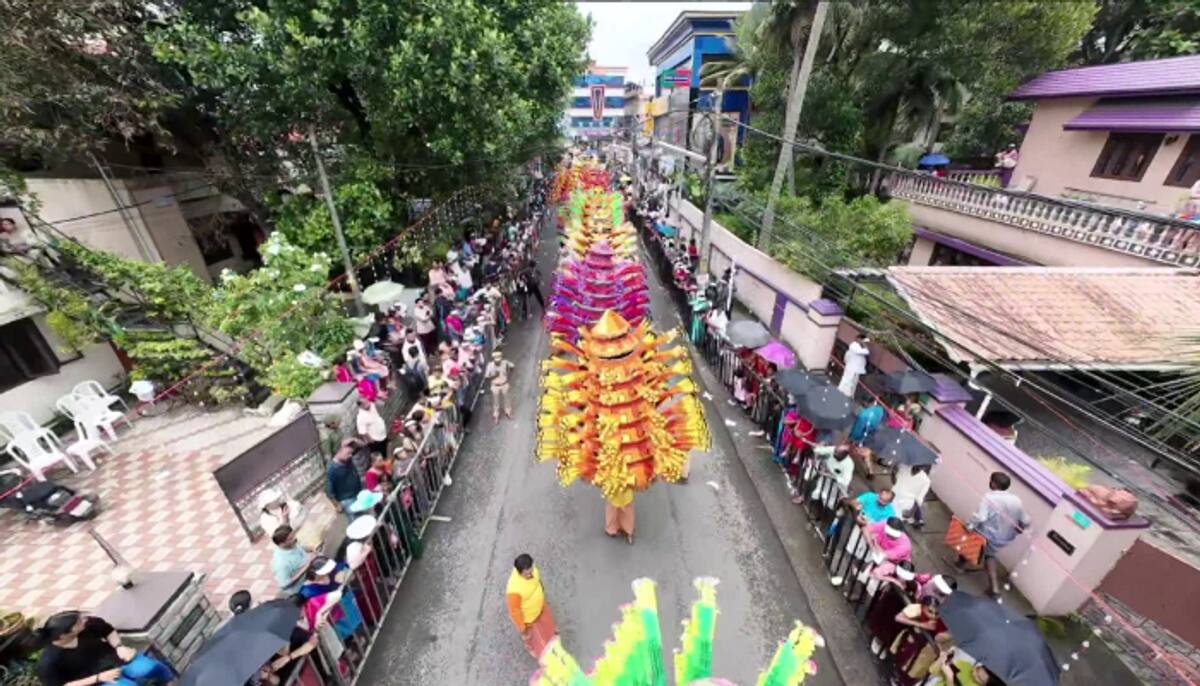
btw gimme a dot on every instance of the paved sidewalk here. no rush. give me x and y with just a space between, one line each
160 508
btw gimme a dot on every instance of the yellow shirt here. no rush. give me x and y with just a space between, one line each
525 597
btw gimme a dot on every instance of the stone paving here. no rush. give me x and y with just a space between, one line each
160 508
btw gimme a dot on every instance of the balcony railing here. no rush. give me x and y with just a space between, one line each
1162 239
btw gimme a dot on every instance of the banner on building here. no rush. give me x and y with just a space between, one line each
598 101
673 78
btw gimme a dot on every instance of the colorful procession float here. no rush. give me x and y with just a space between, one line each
634 655
583 289
619 408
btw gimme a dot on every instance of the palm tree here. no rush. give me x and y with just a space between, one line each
804 21
729 72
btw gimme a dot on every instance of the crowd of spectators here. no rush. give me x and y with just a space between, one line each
866 533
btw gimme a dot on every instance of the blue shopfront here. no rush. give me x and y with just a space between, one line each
693 40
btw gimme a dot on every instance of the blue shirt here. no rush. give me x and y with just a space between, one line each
865 424
287 563
342 481
873 510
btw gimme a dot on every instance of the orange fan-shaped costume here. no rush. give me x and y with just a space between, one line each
619 408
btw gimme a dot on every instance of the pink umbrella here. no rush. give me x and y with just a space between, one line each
777 353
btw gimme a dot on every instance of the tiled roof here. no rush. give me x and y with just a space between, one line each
1147 115
1174 75
1056 317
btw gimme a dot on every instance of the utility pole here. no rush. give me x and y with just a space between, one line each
351 277
710 168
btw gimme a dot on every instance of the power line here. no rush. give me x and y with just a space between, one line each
817 150
1110 383
1103 418
539 148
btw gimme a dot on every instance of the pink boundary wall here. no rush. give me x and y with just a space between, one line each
1055 582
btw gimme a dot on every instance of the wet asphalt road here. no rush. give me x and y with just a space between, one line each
449 624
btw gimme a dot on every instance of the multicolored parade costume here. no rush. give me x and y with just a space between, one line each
584 173
584 289
597 215
619 409
634 656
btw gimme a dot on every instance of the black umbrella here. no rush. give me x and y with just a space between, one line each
826 407
909 381
900 446
747 333
1002 640
243 645
798 382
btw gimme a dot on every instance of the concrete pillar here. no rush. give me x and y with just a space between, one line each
922 252
820 326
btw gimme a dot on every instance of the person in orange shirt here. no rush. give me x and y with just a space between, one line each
527 607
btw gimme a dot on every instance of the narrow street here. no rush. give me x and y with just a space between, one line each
449 625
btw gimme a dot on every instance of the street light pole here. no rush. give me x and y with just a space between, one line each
710 168
359 308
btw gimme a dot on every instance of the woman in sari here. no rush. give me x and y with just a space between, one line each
912 653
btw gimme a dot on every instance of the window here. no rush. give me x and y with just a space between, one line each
1126 155
24 354
1187 168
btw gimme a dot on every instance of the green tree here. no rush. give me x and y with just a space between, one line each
370 212
279 311
148 310
440 93
77 76
1126 30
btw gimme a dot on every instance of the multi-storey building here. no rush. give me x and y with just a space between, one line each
597 108
141 213
1104 177
691 41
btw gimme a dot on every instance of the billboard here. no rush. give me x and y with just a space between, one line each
597 101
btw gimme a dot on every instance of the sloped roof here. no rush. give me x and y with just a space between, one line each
1171 76
1147 115
1056 317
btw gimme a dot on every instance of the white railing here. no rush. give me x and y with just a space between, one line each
1161 239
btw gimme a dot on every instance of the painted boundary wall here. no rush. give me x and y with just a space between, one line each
791 304
1071 546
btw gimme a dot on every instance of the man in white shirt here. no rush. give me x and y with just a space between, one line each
371 427
911 487
498 370
854 364
1000 518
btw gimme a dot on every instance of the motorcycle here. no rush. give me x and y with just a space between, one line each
45 500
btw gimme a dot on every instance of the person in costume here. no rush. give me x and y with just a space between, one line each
619 411
527 607
619 520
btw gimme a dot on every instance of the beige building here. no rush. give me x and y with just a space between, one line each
1104 177
159 217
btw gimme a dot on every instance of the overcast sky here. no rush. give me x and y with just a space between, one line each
624 31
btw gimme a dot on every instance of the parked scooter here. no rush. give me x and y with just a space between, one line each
45 500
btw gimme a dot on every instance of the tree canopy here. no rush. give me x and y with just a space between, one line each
895 72
426 96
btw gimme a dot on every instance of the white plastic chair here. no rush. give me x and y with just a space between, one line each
37 453
13 424
90 413
92 391
87 439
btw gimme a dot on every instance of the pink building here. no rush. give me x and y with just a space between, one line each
1103 177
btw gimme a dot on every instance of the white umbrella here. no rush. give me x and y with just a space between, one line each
383 292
